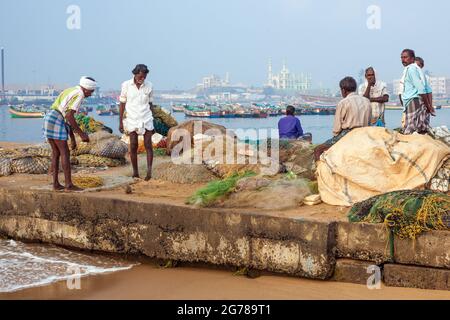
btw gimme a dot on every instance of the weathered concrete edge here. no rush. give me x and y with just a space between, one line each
370 242
300 248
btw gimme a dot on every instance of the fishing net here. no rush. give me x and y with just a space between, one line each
82 148
110 148
90 125
298 157
216 190
236 157
162 121
41 150
9 153
228 170
89 160
5 167
406 213
102 144
441 181
160 127
441 133
181 173
282 194
191 127
31 165
87 182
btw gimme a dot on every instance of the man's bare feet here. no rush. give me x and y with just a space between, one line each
136 176
73 188
58 187
148 177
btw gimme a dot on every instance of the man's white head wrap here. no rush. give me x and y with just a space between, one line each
88 84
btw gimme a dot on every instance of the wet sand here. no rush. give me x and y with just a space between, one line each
148 281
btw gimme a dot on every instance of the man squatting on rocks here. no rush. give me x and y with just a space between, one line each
60 123
136 117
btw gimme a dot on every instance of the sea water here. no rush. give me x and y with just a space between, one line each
321 126
24 266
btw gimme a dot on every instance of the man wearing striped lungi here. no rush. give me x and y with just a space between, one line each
60 123
415 101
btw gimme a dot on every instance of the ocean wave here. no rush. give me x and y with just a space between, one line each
24 266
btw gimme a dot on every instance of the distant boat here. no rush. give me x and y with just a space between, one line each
22 112
114 109
197 112
103 111
179 108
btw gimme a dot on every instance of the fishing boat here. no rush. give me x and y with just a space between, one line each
243 113
83 110
114 108
103 110
24 112
178 108
197 112
258 113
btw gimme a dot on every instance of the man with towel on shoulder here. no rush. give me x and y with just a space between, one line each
60 123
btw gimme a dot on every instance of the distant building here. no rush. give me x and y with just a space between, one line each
214 81
288 81
439 85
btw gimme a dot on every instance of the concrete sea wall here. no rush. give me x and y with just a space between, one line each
300 247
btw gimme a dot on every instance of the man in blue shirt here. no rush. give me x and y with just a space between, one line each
414 96
421 63
289 127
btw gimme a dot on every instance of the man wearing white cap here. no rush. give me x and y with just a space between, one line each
60 123
135 100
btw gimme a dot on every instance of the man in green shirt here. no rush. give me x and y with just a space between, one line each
60 123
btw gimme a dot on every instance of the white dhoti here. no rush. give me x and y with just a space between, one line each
131 125
139 117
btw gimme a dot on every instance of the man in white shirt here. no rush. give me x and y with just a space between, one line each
376 92
135 100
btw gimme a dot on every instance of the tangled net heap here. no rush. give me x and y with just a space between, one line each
162 121
406 213
33 160
90 125
217 190
87 182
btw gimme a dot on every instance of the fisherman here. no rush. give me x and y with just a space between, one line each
421 64
60 123
354 111
290 127
376 92
136 100
416 105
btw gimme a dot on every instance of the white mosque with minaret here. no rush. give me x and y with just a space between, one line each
288 81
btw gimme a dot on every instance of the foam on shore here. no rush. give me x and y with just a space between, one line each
24 266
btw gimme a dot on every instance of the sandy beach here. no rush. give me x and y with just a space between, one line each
148 281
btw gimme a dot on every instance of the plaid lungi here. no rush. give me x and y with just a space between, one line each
55 127
417 118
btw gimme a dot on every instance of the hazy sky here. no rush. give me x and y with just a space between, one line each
184 40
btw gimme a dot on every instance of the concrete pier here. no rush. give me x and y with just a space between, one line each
325 249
